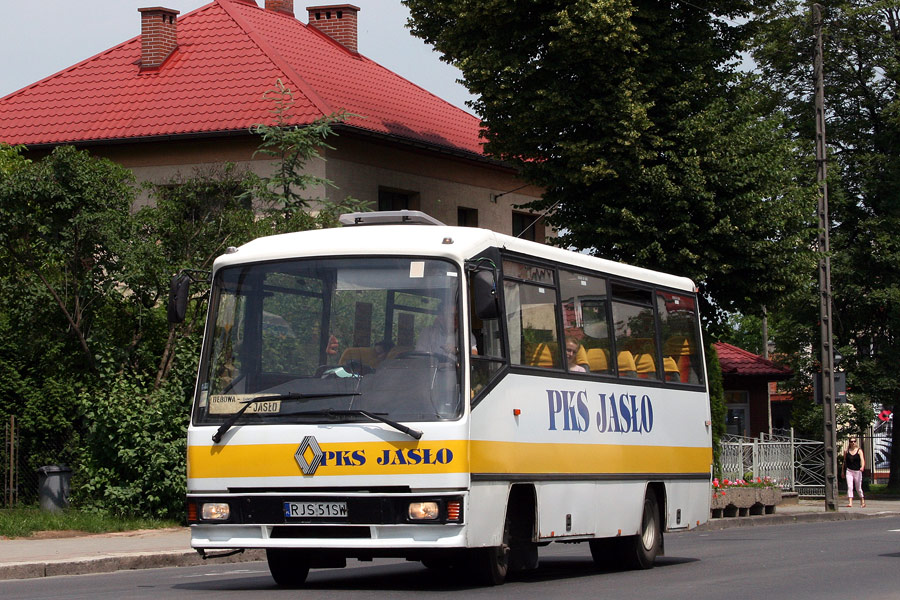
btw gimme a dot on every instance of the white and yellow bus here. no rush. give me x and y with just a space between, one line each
400 388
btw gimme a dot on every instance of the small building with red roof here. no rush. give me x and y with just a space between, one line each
749 381
186 91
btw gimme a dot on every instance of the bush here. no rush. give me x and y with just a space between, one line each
133 461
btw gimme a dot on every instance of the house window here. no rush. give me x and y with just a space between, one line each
528 226
390 199
737 417
467 217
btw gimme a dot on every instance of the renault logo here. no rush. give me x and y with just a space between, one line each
309 445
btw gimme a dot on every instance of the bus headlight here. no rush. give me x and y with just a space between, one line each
215 511
423 511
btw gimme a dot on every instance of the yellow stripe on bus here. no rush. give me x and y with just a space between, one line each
513 457
352 458
444 456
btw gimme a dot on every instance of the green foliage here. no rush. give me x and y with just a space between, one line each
283 195
133 461
651 149
95 375
66 223
716 405
862 72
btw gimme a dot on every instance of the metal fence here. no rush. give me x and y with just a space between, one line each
21 455
876 445
795 464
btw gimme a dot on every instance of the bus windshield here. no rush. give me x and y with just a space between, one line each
322 339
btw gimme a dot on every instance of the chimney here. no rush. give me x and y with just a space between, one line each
337 21
158 39
285 6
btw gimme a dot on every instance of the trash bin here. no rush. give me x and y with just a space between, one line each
53 487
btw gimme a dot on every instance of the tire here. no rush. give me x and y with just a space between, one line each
289 568
489 566
642 549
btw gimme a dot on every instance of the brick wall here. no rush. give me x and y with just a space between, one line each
338 22
158 36
285 6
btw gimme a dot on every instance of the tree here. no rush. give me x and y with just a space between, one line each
650 147
283 195
66 223
862 73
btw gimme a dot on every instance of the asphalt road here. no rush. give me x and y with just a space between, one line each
843 559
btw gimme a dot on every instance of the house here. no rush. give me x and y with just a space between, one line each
752 404
185 92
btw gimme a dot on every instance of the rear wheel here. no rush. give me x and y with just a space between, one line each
289 567
643 548
635 551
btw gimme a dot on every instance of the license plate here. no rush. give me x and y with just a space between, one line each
315 510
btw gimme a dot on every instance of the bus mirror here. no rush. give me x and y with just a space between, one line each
484 295
179 291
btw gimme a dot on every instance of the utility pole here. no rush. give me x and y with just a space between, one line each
825 332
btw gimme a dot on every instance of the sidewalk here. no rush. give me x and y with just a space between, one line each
146 549
811 511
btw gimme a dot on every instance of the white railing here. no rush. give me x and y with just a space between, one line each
795 464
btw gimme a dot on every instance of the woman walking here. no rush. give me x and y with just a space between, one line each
854 463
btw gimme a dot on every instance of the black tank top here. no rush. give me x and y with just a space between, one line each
853 461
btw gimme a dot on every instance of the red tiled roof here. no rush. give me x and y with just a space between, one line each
229 53
735 361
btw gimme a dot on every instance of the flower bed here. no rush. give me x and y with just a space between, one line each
741 498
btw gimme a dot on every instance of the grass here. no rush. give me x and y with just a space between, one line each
883 491
23 522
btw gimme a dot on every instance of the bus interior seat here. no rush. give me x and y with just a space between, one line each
627 368
598 360
361 354
542 354
671 369
645 366
679 348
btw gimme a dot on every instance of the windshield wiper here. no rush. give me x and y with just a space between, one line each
217 436
413 433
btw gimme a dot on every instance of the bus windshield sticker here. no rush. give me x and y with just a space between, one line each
417 269
228 404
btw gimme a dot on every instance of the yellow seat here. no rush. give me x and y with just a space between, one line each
598 360
361 354
543 354
581 356
645 366
627 368
671 369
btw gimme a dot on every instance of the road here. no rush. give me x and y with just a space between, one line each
845 559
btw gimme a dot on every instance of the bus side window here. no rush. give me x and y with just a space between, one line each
680 331
531 323
584 300
635 330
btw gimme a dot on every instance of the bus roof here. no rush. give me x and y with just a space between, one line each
455 243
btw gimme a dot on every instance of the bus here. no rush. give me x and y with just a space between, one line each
396 387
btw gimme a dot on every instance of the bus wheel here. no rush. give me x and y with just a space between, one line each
643 548
288 567
489 566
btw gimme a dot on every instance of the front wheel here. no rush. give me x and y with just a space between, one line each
489 566
289 568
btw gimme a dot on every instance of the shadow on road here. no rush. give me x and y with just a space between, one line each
412 576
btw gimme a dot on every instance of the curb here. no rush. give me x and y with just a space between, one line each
787 518
123 562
